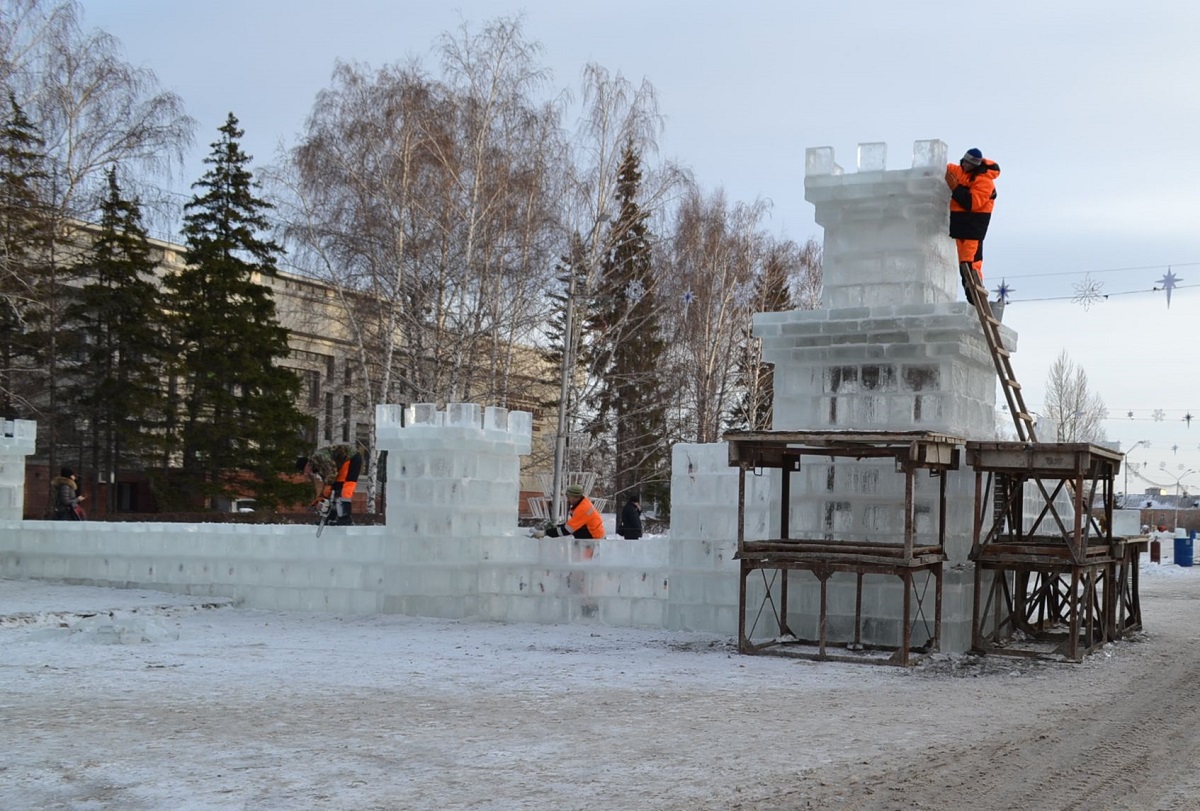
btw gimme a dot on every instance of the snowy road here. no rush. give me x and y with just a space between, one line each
160 703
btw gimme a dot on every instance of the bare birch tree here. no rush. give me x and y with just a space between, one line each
1078 411
715 249
618 118
789 279
429 205
92 108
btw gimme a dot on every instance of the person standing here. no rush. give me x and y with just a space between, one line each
583 519
630 526
972 183
67 496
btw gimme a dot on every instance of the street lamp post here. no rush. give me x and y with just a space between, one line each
1178 479
564 391
1142 443
568 370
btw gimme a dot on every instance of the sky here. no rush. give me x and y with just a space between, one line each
1087 107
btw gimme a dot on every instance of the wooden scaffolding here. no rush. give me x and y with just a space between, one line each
763 624
1050 578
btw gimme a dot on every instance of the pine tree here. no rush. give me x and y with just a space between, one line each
24 233
233 420
117 315
626 338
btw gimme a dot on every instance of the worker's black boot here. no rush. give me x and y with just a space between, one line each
965 269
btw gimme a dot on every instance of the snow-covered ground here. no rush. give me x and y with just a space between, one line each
128 700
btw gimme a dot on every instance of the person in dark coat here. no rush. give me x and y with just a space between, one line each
66 496
630 525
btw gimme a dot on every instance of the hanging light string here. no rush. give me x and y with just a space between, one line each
1089 292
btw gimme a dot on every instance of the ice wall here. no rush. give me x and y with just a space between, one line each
16 442
451 547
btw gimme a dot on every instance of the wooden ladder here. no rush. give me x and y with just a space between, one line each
1022 419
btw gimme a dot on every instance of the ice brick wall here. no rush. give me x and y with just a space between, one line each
704 514
451 548
272 567
17 440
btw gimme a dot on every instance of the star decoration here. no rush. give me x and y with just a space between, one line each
1158 415
1003 291
1169 283
635 290
1130 415
1188 419
1088 292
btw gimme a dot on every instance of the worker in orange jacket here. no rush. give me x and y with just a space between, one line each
583 520
345 482
972 183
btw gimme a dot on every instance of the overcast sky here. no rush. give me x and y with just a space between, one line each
1089 107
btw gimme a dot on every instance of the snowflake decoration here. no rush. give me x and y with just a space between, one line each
1003 291
1130 415
1088 292
635 290
1158 415
1169 283
1188 419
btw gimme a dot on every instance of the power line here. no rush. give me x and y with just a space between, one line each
1103 270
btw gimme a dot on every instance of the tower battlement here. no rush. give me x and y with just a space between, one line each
458 420
886 231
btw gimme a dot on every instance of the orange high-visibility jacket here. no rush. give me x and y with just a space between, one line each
585 514
346 481
972 196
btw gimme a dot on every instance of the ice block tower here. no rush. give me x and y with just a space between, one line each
894 347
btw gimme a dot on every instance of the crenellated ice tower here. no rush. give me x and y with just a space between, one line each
893 348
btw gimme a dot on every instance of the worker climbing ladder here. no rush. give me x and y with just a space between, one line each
1022 419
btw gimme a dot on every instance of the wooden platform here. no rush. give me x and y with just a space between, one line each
763 625
1050 578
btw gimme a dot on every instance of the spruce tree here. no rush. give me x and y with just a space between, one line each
626 338
117 314
234 425
24 235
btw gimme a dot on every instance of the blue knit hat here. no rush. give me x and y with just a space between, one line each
973 157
